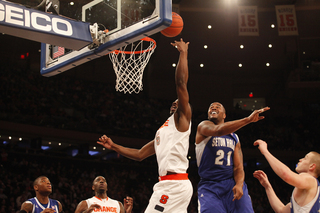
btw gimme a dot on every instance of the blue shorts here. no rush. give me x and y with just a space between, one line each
217 197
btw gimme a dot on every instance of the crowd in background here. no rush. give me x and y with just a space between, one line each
77 104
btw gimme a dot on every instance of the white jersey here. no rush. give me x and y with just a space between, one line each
312 206
171 148
107 205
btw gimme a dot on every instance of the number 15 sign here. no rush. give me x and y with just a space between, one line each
248 21
286 19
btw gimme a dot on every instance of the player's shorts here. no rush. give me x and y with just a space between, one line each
217 197
172 194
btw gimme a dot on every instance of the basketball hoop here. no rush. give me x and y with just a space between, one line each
129 63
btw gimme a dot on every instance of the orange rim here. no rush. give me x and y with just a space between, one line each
140 51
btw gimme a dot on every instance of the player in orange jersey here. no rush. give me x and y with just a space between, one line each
173 192
101 202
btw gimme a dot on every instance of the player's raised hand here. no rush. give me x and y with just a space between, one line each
262 145
128 204
262 177
237 192
181 45
255 115
105 141
93 207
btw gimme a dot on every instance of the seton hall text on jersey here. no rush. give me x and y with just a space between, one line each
226 142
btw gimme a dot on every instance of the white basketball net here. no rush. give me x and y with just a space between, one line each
129 63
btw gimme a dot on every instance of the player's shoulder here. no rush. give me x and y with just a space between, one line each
27 206
306 175
204 123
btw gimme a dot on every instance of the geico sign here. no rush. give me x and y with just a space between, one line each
36 20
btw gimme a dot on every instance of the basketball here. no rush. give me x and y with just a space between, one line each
175 28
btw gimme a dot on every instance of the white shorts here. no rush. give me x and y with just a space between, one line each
170 196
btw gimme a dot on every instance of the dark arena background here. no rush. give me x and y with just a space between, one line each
49 125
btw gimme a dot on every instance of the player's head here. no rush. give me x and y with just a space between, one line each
216 112
310 163
42 185
174 107
100 185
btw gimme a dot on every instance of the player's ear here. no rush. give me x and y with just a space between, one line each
35 187
312 167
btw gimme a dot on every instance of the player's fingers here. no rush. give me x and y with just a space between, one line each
98 142
266 108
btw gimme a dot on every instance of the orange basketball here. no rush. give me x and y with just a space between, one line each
175 28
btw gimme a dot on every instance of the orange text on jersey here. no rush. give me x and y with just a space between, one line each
106 209
165 124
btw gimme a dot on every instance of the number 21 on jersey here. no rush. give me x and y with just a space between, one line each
220 157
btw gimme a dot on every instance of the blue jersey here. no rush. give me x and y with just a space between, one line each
215 157
39 207
314 204
215 167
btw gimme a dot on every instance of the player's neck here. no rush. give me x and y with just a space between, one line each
216 121
44 199
101 195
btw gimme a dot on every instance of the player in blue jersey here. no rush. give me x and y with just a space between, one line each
41 203
305 196
220 163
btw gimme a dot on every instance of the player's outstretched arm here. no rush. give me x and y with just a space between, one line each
238 172
208 128
301 181
134 154
83 207
274 201
181 79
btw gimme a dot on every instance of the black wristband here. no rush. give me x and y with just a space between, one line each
22 211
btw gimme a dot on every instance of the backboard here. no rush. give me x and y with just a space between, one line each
113 24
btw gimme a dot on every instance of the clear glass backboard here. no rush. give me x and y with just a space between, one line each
113 24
